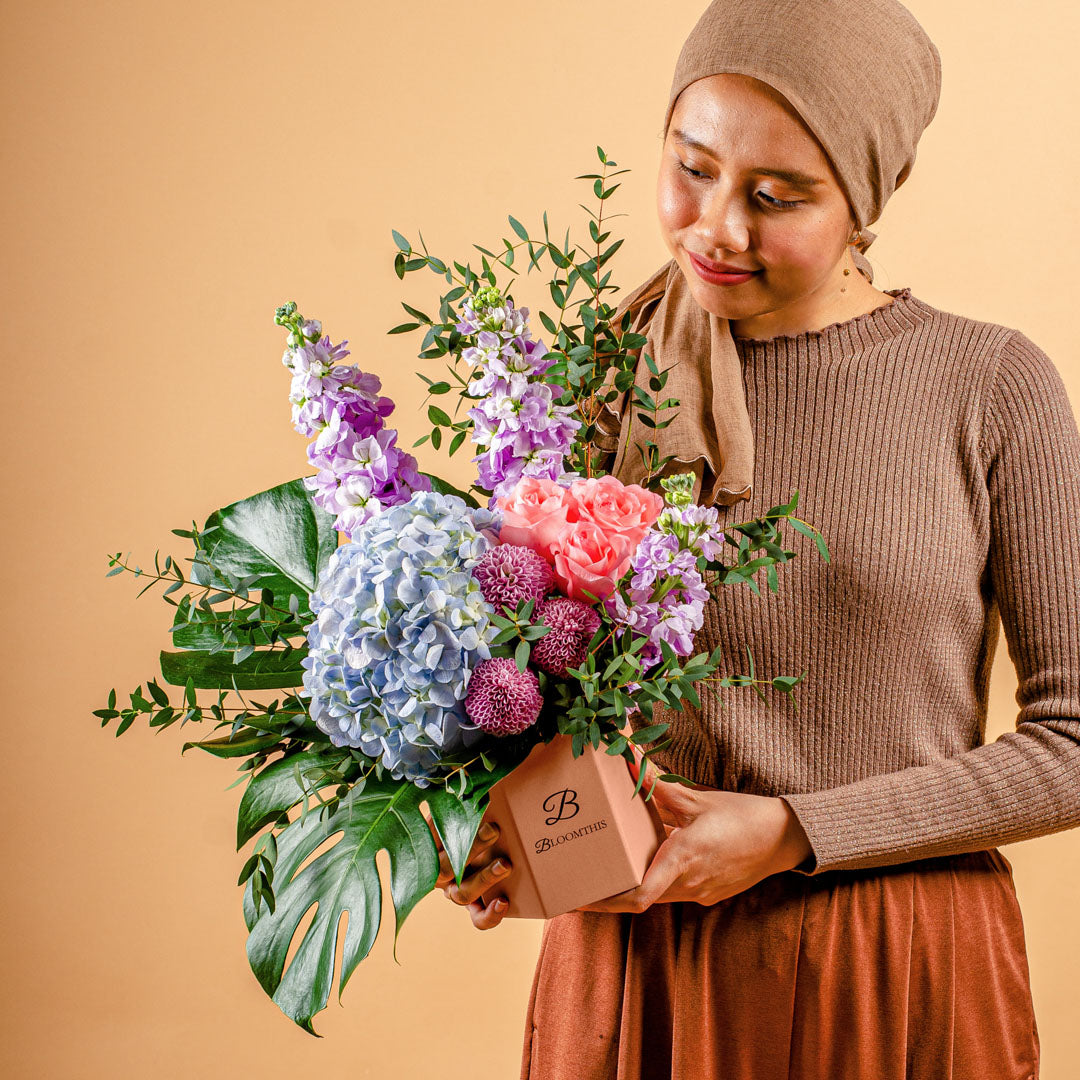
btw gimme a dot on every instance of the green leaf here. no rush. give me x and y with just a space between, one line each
274 790
786 682
246 741
279 533
343 878
457 818
263 670
648 734
812 532
518 227
248 870
206 629
446 488
159 695
521 655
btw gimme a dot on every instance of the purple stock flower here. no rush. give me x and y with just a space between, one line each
360 468
696 527
661 565
517 425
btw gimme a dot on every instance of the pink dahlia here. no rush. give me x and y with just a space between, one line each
502 700
565 645
510 573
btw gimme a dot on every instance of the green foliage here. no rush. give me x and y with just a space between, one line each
240 626
456 815
444 488
278 534
242 742
365 816
592 357
343 878
288 781
262 670
273 545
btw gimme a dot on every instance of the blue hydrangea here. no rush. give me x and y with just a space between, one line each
399 624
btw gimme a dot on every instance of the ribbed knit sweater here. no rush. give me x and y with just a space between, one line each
939 457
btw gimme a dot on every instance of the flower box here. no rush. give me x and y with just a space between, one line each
572 828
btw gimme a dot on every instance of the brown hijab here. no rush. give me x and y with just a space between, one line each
865 79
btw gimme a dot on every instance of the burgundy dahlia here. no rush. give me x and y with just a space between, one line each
565 645
510 573
502 700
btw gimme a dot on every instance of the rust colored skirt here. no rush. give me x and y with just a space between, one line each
916 971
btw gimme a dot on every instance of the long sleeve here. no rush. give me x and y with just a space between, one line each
1027 782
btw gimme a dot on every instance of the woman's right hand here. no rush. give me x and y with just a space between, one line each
485 872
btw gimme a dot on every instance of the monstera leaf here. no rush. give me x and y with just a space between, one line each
280 786
382 814
279 540
279 534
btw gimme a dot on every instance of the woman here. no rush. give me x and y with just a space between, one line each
831 902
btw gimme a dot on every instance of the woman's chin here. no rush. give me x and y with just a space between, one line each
727 301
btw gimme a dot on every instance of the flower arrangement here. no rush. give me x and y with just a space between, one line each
428 640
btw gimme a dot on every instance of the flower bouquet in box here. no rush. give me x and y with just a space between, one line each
442 654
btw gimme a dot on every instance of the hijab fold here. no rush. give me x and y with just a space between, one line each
865 79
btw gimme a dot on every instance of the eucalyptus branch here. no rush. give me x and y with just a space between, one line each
179 579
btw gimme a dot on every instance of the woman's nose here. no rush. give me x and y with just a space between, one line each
723 224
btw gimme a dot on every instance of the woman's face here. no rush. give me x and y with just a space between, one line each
743 182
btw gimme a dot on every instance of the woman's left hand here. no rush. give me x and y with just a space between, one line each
718 844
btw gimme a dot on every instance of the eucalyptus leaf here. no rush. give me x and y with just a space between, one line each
246 741
205 630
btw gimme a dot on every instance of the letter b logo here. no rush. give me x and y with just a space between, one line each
561 805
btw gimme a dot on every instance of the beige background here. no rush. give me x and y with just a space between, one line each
175 171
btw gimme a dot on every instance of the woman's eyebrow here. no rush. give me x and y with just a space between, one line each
790 176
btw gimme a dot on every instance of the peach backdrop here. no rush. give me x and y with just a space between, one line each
175 171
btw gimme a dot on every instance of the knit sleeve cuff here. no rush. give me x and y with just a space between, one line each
816 819
829 820
879 821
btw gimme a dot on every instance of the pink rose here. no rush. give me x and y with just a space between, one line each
535 513
619 509
586 557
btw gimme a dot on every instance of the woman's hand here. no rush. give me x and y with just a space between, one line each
718 844
485 873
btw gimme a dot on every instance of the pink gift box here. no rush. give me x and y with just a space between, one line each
572 828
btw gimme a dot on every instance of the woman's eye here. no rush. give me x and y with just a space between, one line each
692 172
783 204
779 204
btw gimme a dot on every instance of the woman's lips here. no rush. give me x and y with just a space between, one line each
720 277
